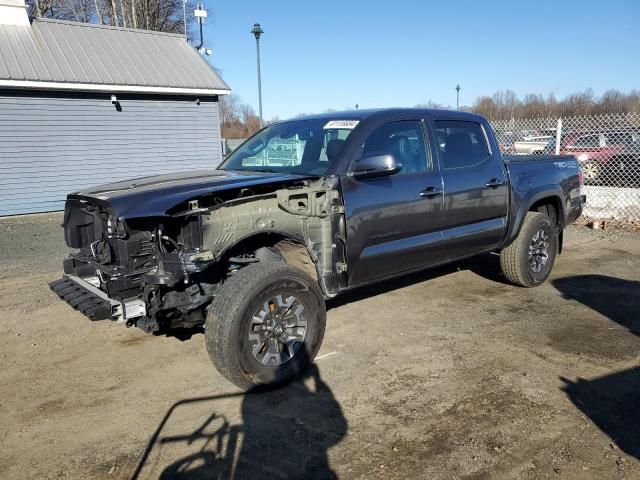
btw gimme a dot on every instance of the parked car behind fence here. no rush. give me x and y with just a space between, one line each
607 148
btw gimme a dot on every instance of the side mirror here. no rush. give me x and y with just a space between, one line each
376 166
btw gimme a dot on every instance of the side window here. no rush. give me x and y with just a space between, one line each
404 140
587 141
618 138
461 144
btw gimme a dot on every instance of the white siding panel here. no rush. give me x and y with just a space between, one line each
50 146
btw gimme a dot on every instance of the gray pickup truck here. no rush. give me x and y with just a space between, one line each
301 212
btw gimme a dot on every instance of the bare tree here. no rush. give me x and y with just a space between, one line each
238 119
249 118
486 107
246 112
159 15
533 106
614 101
431 104
582 103
633 101
505 104
229 107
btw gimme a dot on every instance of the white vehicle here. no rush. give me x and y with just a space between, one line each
532 145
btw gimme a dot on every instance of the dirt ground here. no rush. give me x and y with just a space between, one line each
443 375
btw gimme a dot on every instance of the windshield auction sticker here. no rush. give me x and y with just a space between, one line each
349 124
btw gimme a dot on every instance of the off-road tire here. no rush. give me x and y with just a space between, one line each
514 260
229 317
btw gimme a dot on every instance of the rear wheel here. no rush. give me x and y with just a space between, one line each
529 259
265 325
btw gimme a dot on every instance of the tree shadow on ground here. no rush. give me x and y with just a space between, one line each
285 433
612 402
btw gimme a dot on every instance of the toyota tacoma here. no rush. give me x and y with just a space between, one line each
303 211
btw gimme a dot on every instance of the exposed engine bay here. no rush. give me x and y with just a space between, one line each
163 271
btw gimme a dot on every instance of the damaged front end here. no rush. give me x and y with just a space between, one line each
148 270
163 271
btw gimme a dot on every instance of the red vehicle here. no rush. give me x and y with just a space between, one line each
602 154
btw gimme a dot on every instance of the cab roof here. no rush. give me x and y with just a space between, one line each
362 114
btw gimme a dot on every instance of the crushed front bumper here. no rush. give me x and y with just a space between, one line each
93 302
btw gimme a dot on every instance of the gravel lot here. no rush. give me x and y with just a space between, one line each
446 374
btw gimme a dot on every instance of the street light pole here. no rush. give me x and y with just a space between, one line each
257 31
458 97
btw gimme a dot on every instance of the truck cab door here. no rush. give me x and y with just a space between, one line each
393 221
475 188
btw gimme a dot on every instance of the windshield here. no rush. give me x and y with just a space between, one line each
305 147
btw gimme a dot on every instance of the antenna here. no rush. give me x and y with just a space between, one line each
201 14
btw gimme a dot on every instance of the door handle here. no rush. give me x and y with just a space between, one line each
495 182
430 192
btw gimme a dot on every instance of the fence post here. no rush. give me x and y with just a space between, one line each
558 135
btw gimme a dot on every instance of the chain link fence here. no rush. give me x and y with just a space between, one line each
607 148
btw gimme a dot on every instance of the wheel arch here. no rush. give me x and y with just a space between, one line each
538 200
290 247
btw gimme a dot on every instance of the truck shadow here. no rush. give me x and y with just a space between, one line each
486 266
615 298
284 433
182 334
612 402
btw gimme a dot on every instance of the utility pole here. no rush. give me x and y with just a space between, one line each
257 31
458 97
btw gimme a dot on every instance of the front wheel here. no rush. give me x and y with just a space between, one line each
529 259
265 325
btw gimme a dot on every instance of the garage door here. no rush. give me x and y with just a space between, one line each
51 145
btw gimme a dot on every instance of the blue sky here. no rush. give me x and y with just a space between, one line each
333 54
